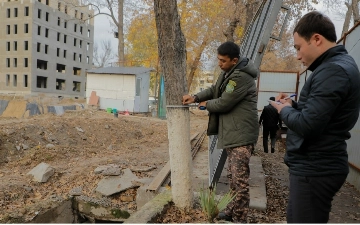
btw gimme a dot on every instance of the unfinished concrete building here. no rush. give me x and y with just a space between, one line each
45 47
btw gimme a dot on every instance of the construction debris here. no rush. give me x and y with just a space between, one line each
42 172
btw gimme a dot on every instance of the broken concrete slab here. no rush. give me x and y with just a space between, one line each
143 196
77 191
150 209
101 169
112 185
42 172
61 214
112 171
142 168
100 209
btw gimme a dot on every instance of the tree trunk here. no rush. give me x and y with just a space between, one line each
347 19
195 64
355 9
121 47
172 54
229 32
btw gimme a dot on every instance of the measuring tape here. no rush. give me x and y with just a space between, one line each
185 106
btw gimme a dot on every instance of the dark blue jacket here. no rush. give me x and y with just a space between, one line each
327 110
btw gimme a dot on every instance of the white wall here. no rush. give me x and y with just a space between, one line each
111 86
115 91
352 45
271 83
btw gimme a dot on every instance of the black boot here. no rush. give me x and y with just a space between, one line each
272 150
265 146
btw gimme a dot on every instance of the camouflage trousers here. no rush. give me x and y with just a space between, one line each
238 174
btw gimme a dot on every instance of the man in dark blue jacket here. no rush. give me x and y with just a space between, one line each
319 124
271 122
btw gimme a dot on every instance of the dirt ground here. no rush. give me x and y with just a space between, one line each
82 140
86 139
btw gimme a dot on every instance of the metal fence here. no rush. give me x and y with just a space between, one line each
351 41
253 47
270 83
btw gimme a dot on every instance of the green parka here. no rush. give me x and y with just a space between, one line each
232 104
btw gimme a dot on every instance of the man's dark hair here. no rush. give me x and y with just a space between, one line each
315 22
272 98
230 49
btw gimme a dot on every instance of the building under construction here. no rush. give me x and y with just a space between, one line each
46 46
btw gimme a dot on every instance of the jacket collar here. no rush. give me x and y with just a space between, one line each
336 50
242 62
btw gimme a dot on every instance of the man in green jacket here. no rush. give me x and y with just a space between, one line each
232 104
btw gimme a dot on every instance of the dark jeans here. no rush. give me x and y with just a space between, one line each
266 132
310 198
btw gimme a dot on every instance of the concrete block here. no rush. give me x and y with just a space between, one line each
151 209
257 186
42 172
100 209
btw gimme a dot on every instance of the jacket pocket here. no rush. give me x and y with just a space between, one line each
293 141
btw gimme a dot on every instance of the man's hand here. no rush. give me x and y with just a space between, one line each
202 104
283 96
187 99
283 103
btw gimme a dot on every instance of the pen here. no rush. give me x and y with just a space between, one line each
293 95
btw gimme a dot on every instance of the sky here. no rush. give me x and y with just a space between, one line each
103 30
336 19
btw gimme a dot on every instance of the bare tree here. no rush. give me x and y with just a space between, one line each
351 13
355 10
103 55
234 20
120 26
194 66
172 54
114 10
347 19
